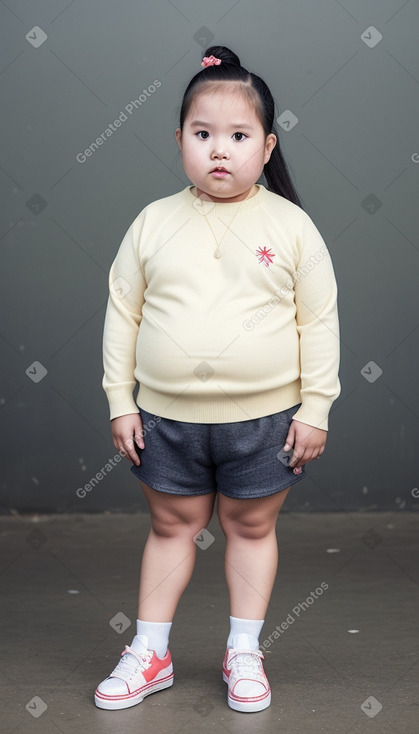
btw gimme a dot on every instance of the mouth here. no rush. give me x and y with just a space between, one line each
220 170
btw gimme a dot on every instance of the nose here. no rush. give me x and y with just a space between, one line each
219 151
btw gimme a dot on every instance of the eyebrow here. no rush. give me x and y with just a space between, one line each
235 124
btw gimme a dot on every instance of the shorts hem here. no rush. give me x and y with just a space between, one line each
268 493
170 491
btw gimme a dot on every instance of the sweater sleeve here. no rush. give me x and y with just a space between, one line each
318 327
122 321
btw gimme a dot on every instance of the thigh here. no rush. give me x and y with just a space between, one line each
173 510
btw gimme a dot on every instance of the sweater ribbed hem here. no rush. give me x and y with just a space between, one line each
193 408
314 409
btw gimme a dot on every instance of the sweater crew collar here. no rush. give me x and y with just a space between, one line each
219 208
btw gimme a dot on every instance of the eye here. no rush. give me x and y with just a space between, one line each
244 136
205 132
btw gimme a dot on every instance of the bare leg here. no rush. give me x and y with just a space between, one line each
251 557
169 553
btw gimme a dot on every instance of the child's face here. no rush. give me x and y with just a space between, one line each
213 136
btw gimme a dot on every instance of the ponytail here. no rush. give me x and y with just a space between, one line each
277 176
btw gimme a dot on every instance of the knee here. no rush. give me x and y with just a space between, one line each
253 526
164 525
168 525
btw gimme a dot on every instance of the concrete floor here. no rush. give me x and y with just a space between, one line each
65 578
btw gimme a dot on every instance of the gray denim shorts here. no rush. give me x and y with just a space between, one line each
243 460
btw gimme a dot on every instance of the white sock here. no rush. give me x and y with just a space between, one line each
244 633
156 634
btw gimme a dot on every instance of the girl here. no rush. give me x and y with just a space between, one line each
223 307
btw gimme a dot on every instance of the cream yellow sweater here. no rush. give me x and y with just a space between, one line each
222 339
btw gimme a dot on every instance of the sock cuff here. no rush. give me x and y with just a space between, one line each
249 627
157 634
157 624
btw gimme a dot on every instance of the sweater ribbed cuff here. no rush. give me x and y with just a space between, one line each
121 400
314 411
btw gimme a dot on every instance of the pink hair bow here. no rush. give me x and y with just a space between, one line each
210 61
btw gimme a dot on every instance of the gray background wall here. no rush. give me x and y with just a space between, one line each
354 157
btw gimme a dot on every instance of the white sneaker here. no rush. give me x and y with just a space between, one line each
137 675
248 686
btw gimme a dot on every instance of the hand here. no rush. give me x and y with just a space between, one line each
124 429
308 443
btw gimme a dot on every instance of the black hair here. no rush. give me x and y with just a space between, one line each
230 70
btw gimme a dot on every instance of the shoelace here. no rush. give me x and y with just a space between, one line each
246 661
127 664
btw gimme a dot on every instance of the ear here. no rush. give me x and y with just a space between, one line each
269 146
178 136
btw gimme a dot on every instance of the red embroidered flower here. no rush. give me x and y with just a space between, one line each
265 256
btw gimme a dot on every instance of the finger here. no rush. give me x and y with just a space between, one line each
309 456
139 433
122 451
124 447
139 439
296 455
290 439
302 457
131 451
